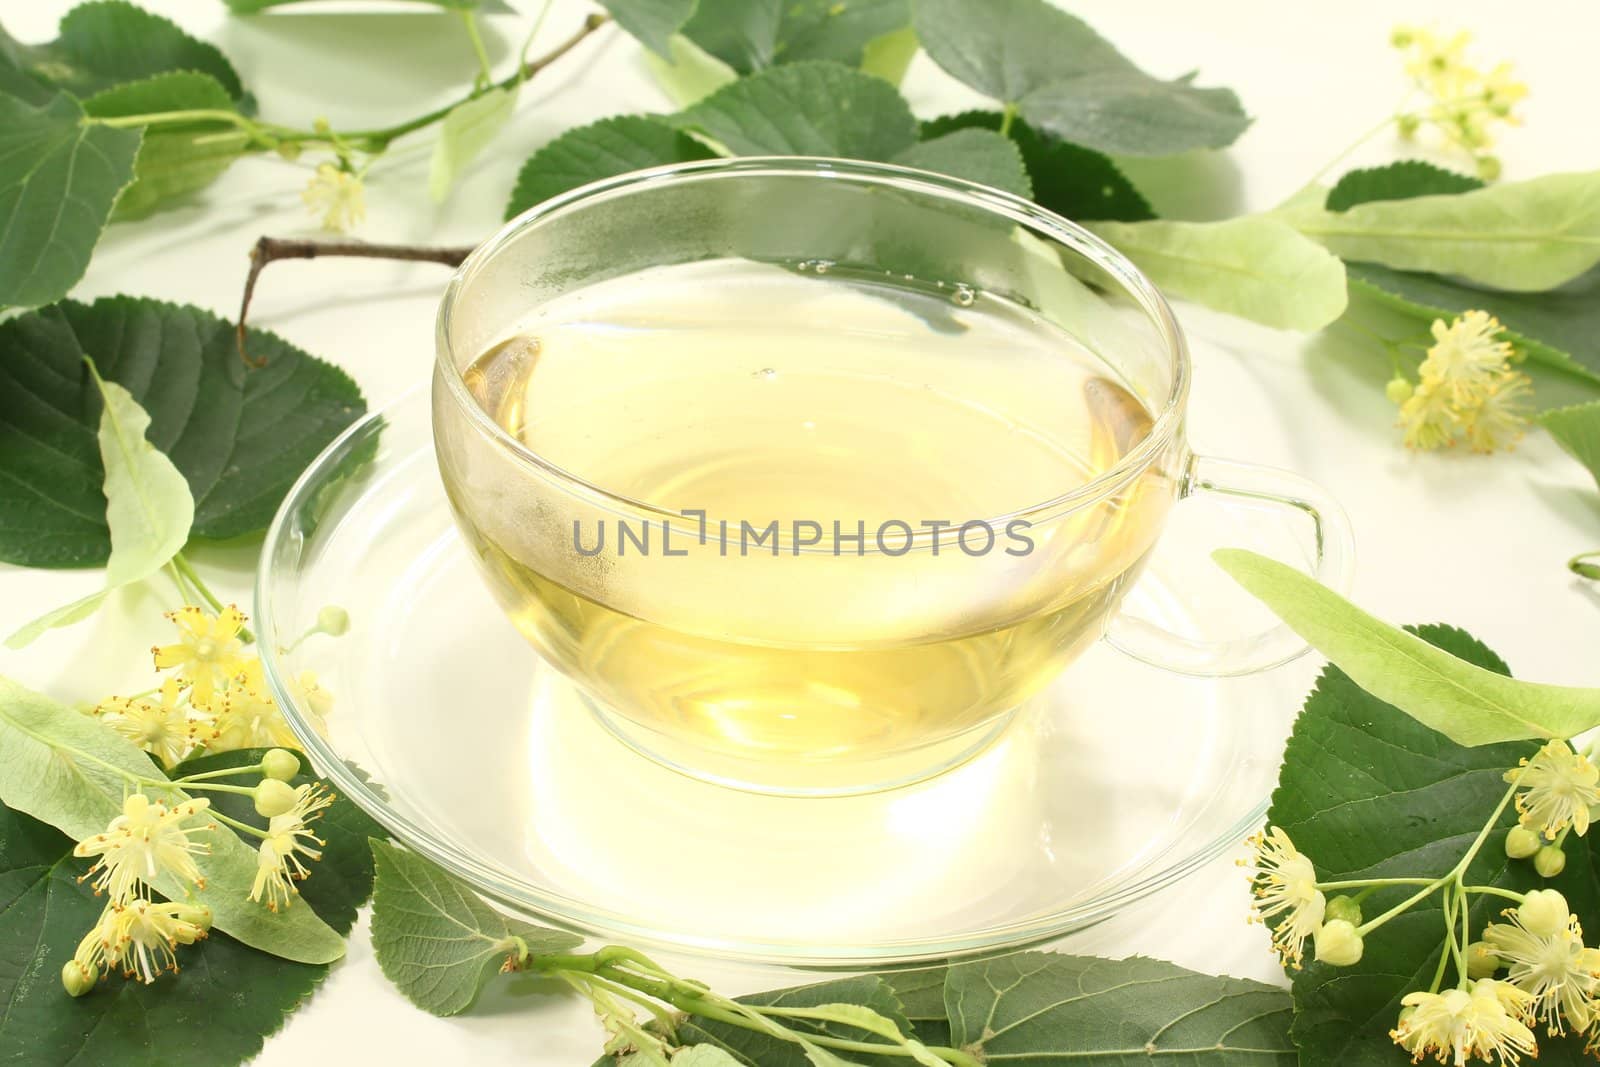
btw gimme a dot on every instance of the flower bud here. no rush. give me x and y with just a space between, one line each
199 914
333 620
1488 168
281 764
1522 842
78 978
1402 36
1345 908
1407 125
273 797
289 150
1481 960
1549 861
1543 912
1338 944
1399 389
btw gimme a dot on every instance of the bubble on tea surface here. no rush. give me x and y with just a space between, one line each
766 373
964 295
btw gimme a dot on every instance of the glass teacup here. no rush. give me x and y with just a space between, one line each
807 473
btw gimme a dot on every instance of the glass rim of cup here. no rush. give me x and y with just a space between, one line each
1055 228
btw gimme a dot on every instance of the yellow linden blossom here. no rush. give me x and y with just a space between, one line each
1560 976
147 839
208 651
1464 102
1285 884
1482 1021
313 699
338 196
278 863
246 716
160 728
1467 356
142 937
1467 388
1428 418
1556 789
1499 418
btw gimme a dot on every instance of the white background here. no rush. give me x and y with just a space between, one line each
1473 541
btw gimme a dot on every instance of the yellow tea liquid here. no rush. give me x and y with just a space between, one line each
752 394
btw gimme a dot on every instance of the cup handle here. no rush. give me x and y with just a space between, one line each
1332 548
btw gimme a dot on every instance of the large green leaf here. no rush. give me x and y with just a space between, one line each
1366 791
814 108
600 150
174 158
976 155
58 180
1066 79
494 7
653 22
751 34
465 133
758 1050
1465 702
240 434
72 772
107 42
436 940
1254 266
1048 1010
1577 429
1069 179
1396 181
1524 236
741 33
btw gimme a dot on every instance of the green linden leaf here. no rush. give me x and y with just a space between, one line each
240 434
1577 429
1068 80
465 132
220 1007
105 43
1523 236
489 7
1397 181
71 771
600 150
1465 702
174 159
813 108
1069 179
1255 266
741 33
977 155
1366 791
436 940
58 180
653 22
852 32
148 508
1050 1010
702 1056
750 35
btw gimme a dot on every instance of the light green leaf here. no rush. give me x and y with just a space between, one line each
847 31
754 1049
889 57
976 155
600 150
1066 79
435 940
148 508
653 22
1524 236
1466 703
491 7
1049 1010
689 73
58 179
1577 429
68 770
1397 181
465 132
1254 266
815 108
703 1056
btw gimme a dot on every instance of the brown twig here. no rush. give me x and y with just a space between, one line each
272 249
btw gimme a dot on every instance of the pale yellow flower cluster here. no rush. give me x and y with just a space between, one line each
1467 389
1464 101
338 196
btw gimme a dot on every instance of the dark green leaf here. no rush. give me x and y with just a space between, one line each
750 35
976 155
653 22
58 180
1070 180
1049 1010
174 159
495 7
1068 80
1396 181
1559 328
105 43
759 1050
1366 791
741 33
814 108
921 996
837 29
1577 429
600 150
436 940
239 434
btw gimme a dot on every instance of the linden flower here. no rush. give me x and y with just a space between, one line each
1459 1024
246 716
207 653
1464 102
313 698
1556 789
142 937
1499 418
160 728
1466 356
1467 387
1428 418
147 839
1286 884
1559 975
278 863
338 196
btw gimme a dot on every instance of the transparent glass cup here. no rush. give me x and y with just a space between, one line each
817 664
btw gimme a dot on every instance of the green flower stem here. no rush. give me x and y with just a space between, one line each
469 19
1458 949
1444 952
187 570
225 772
1007 116
242 827
1494 891
1580 566
1371 884
185 593
1405 905
214 787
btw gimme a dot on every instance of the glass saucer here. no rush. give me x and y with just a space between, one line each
448 730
